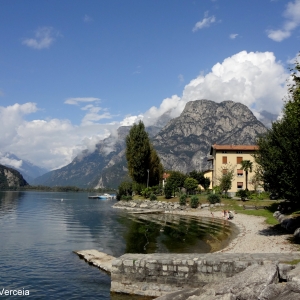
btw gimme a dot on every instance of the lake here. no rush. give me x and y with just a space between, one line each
40 230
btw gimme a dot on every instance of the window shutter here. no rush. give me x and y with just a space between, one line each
239 159
224 159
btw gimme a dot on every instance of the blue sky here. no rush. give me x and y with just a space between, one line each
72 71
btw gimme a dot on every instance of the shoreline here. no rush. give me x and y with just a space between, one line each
255 236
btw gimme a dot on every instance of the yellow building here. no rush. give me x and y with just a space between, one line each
229 157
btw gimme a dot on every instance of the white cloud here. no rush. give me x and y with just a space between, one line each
255 79
7 161
292 16
205 22
87 18
233 36
44 37
49 143
76 101
180 78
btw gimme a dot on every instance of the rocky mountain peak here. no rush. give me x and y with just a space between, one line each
185 142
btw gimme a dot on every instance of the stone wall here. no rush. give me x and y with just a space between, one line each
158 274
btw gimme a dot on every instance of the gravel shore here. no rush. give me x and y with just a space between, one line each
255 235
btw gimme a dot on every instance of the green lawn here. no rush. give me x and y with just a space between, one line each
237 206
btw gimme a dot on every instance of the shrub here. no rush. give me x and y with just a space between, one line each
194 201
153 197
146 192
213 198
182 199
126 198
243 194
168 191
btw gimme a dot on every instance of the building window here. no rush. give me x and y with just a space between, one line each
239 159
240 173
239 185
224 159
224 171
239 151
224 151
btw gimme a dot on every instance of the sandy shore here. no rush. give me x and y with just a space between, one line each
255 235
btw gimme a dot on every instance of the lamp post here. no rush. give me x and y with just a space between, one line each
148 178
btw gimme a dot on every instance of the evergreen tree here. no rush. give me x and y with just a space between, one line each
279 149
142 157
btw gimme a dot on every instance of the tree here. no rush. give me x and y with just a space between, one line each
176 180
279 148
190 184
124 189
225 180
141 156
247 167
206 183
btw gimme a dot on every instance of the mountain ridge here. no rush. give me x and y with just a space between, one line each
182 143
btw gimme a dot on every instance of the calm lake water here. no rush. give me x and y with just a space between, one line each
39 231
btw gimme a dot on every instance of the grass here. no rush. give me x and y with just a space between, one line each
237 206
292 262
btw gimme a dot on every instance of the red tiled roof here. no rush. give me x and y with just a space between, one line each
235 147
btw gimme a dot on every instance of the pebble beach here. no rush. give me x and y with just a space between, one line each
255 236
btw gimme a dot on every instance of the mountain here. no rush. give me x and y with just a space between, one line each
185 142
26 168
10 178
105 167
182 143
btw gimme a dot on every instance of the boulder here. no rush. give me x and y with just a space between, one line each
294 275
283 269
297 235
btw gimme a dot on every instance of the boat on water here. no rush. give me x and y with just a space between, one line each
103 197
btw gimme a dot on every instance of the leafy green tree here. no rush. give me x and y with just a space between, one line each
206 183
176 179
247 167
279 148
225 180
155 168
190 184
124 189
142 157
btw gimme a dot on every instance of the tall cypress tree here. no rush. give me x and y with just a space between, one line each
141 156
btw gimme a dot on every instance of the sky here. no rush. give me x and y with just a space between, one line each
73 71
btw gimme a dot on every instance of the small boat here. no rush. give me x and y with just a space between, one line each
103 197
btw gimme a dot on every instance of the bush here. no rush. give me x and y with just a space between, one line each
168 191
194 201
213 198
146 192
126 198
182 199
243 194
153 197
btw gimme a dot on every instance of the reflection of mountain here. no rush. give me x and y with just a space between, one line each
9 201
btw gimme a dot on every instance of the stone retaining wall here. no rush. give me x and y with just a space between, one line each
158 274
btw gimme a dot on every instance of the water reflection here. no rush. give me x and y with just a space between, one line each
10 200
173 233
